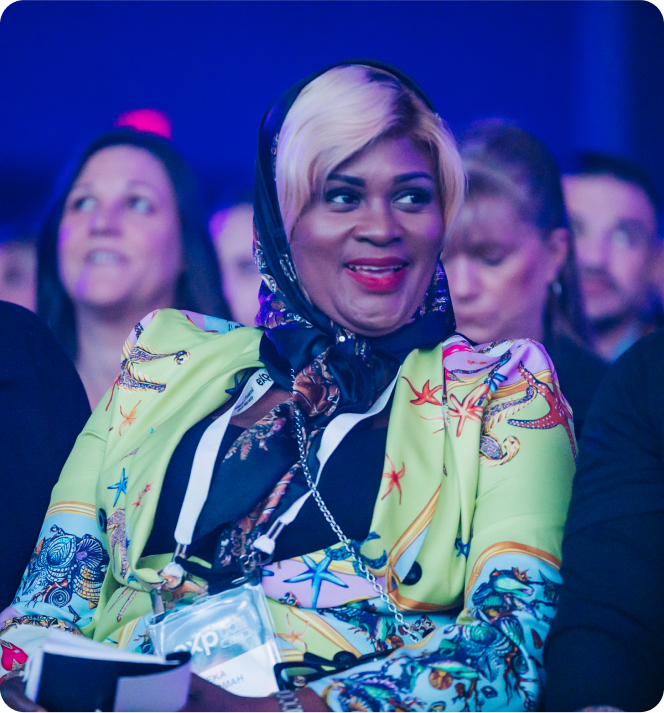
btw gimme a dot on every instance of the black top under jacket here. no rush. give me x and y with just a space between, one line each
44 408
580 372
349 487
606 646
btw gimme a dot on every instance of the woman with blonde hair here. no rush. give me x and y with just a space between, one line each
383 479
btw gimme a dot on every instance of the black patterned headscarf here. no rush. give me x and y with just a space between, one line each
326 368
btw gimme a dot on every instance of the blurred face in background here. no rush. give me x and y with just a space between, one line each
499 269
18 273
232 232
615 227
119 242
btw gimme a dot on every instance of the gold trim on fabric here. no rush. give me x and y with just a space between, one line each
501 548
415 529
413 605
324 629
126 633
72 507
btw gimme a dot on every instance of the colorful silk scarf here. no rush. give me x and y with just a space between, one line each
335 371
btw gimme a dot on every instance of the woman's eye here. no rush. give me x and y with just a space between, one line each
84 204
341 198
492 261
414 197
490 258
140 204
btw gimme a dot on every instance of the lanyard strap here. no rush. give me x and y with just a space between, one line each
334 433
206 455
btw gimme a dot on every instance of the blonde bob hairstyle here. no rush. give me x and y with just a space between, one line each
341 112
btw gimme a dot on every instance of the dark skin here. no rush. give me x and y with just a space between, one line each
381 204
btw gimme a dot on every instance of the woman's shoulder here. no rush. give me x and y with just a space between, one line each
185 328
501 362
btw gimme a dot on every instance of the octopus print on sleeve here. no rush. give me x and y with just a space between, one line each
62 583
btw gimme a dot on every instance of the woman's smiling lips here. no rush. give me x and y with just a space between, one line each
104 257
383 274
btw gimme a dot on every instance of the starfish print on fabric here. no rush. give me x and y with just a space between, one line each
120 486
559 412
317 573
145 490
394 477
293 637
426 396
469 409
128 418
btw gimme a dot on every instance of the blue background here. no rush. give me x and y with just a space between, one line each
578 74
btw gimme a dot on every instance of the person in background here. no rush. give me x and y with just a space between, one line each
510 257
606 646
232 231
613 206
126 236
45 409
18 267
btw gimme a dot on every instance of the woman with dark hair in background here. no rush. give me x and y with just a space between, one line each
510 257
125 236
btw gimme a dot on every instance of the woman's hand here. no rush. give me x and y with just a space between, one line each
205 696
12 690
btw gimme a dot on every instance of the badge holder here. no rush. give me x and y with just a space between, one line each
230 635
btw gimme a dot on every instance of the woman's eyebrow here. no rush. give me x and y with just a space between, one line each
402 178
353 180
138 182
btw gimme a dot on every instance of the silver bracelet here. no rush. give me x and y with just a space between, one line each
288 701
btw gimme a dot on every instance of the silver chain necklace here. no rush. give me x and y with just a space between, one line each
352 550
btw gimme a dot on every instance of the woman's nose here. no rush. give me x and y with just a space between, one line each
105 220
378 224
463 282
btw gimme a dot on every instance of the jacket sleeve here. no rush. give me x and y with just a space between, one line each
491 657
63 579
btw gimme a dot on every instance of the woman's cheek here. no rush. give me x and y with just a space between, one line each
70 262
162 250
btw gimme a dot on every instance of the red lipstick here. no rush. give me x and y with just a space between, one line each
383 274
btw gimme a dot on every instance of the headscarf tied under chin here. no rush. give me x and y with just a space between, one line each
335 370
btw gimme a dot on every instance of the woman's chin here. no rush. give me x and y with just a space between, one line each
104 302
374 326
476 333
